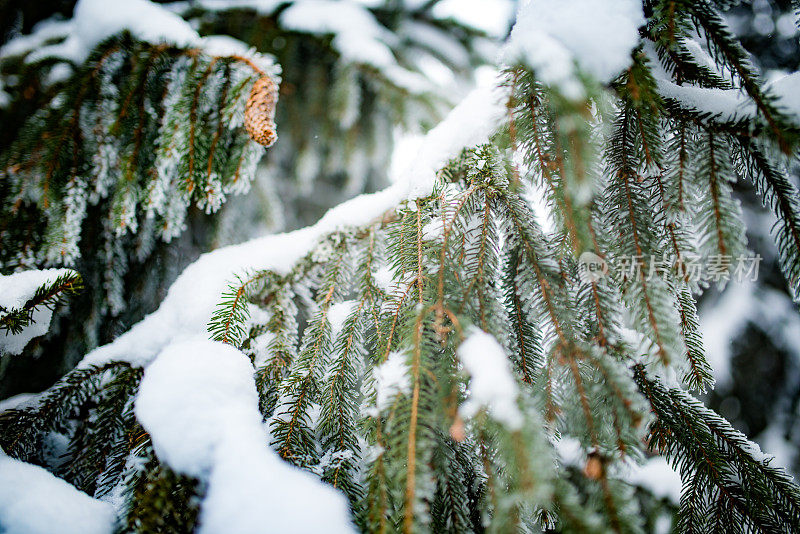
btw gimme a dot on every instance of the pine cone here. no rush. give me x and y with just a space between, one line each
594 466
259 113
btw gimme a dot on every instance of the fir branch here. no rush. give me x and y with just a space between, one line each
712 455
227 323
292 436
782 197
699 375
525 338
23 428
99 447
396 439
410 498
728 49
160 500
48 296
719 224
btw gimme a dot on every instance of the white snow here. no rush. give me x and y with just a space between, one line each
360 38
264 7
552 36
658 477
42 32
774 440
224 45
252 490
18 401
15 290
344 19
191 300
198 402
754 450
491 16
33 501
59 72
182 403
384 278
569 450
391 379
492 385
787 89
260 349
433 230
726 104
470 123
357 35
435 39
96 20
338 314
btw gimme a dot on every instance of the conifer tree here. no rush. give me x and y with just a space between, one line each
132 187
443 356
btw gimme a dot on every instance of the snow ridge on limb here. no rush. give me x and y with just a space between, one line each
33 501
187 311
199 404
27 301
562 41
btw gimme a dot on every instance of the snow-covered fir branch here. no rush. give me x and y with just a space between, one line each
428 357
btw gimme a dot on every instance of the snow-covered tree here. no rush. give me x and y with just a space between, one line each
504 339
123 135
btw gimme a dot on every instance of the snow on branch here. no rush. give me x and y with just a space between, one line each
357 36
721 104
33 501
492 386
391 379
27 300
787 91
198 401
94 21
360 37
554 37
187 310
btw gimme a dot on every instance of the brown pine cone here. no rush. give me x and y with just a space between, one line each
259 113
594 466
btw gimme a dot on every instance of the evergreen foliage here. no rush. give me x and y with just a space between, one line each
711 455
122 188
337 112
138 123
106 173
364 350
49 295
758 393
